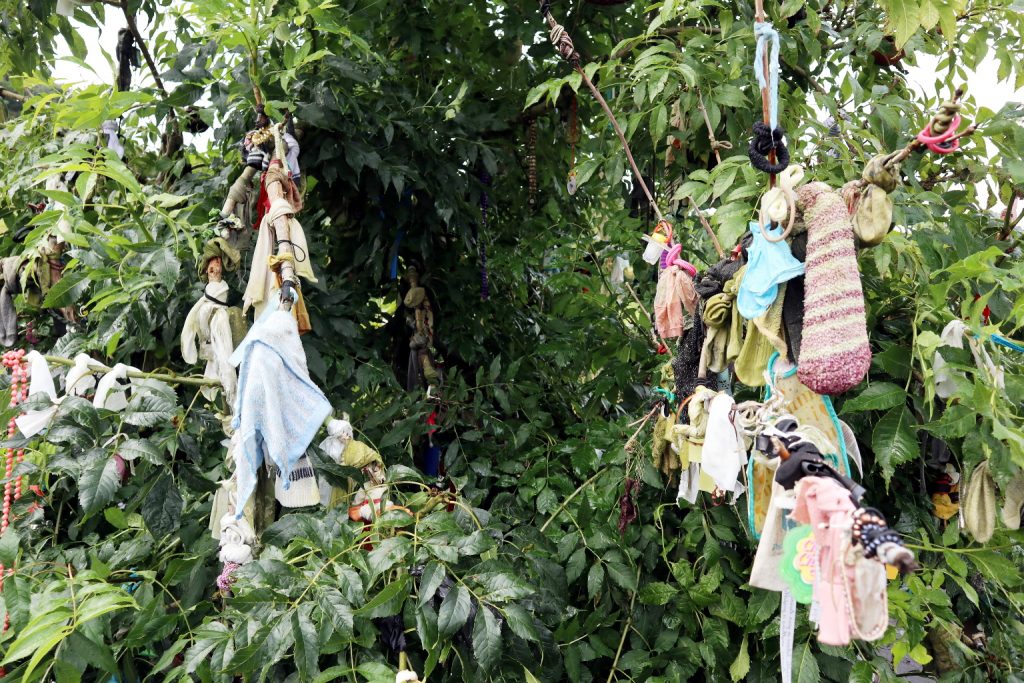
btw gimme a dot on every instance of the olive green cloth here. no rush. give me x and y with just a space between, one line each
979 505
763 338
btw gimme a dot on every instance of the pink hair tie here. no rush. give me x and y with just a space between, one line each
943 143
672 258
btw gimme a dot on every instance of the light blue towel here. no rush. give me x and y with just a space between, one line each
278 409
769 264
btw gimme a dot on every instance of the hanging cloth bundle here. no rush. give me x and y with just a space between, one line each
834 352
871 204
264 281
278 408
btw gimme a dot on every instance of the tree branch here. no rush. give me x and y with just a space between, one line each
11 95
134 28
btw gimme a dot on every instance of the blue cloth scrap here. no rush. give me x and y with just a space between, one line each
769 264
278 409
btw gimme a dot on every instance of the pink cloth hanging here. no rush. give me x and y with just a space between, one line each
826 506
675 292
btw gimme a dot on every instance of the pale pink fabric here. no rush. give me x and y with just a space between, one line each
827 507
675 292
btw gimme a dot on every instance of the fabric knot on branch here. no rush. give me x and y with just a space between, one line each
765 141
562 41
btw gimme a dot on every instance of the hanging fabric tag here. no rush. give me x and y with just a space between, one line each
570 184
787 627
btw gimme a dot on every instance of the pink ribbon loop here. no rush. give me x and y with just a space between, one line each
943 143
673 259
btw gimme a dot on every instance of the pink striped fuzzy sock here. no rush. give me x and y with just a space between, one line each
834 354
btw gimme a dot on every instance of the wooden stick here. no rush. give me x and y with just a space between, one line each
765 106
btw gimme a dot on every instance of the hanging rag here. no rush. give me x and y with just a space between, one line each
686 364
871 205
278 408
339 435
665 458
723 455
110 393
292 156
814 412
219 248
765 572
724 323
1014 503
763 338
110 129
979 504
263 286
769 264
952 336
825 505
675 292
209 324
834 352
301 489
10 269
65 8
79 379
35 421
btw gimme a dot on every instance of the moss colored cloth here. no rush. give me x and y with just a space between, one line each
763 338
218 247
724 338
979 504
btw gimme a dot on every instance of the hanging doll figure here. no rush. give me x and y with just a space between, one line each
370 500
216 326
419 316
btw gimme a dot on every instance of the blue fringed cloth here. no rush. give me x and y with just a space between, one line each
278 408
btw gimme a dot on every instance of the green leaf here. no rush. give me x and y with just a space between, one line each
656 593
805 666
307 642
9 543
740 666
161 509
622 575
149 409
433 575
486 638
335 608
391 591
375 672
893 441
903 19
98 484
501 587
956 422
521 623
133 449
595 579
67 291
454 611
877 396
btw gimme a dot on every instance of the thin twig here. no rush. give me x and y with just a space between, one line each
170 378
622 138
707 228
625 629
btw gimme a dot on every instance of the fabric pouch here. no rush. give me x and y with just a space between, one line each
765 572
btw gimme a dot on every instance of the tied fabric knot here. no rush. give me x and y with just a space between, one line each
765 33
767 139
871 205
779 202
562 41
